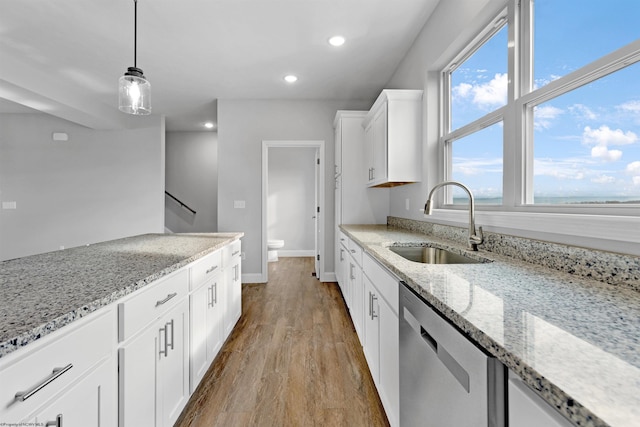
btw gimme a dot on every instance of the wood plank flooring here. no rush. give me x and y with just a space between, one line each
294 359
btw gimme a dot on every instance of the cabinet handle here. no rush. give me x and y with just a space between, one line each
57 422
172 327
353 251
236 268
210 296
351 267
235 253
370 304
213 267
215 293
166 299
57 372
341 254
166 335
373 307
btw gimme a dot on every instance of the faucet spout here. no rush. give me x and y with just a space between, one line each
475 238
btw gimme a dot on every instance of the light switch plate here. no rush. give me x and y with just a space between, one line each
238 204
9 205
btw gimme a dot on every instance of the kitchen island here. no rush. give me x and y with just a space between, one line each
42 293
575 340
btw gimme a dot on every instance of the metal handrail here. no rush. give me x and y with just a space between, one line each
179 201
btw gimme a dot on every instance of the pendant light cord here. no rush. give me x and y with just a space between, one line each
135 32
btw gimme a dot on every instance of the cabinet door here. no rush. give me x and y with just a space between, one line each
357 301
90 403
215 318
380 145
137 361
233 295
173 365
527 409
389 387
372 330
369 148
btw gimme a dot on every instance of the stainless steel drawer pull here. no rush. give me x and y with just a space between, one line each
172 337
24 395
235 253
215 293
211 269
353 251
373 307
57 422
166 299
210 296
166 333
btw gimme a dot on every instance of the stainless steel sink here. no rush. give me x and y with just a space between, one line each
429 255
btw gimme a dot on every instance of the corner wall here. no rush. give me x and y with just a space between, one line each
97 186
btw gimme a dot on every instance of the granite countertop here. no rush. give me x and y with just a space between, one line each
573 339
41 293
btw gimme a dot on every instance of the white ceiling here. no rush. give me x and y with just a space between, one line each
64 57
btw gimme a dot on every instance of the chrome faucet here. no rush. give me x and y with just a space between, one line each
474 239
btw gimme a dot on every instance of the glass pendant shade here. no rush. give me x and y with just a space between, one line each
134 93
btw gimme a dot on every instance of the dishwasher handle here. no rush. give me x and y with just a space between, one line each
452 365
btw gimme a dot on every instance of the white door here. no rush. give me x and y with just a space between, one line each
316 222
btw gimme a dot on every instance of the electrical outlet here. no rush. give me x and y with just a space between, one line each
242 255
406 204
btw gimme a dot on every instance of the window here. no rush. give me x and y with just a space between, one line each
566 136
477 84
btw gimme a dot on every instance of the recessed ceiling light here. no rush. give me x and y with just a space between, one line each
208 125
336 41
290 78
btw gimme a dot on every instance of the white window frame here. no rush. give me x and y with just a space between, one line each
608 227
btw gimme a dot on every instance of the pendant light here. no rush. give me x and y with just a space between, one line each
135 89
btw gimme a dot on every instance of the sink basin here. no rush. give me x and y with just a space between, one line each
429 255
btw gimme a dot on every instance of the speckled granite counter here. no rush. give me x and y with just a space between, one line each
41 293
574 339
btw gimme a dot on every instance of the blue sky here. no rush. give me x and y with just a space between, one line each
586 142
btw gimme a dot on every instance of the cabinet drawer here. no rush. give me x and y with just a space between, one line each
152 302
356 251
386 283
43 370
231 251
343 239
205 268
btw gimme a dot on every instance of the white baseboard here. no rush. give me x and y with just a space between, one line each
253 278
297 253
329 277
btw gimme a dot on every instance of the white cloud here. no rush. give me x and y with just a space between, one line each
631 106
583 111
543 116
633 168
491 93
603 153
605 136
603 179
469 167
573 169
636 180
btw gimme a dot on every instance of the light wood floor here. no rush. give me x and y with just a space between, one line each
293 360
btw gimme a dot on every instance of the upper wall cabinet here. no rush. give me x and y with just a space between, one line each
393 129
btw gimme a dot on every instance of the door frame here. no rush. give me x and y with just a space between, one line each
320 185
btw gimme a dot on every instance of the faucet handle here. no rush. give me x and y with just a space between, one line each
478 237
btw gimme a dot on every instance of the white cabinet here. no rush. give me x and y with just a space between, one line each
70 372
207 327
393 139
154 361
90 403
354 203
527 409
382 334
232 292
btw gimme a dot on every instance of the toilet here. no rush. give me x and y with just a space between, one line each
272 249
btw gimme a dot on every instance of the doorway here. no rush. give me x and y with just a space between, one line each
314 212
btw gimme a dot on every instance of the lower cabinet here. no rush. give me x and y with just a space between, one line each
207 327
527 409
233 287
89 403
154 374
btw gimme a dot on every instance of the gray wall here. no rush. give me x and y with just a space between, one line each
192 177
291 199
242 126
97 186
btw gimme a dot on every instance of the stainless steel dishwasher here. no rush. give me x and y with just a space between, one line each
445 379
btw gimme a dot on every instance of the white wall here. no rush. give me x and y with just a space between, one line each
97 186
291 199
192 177
242 126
